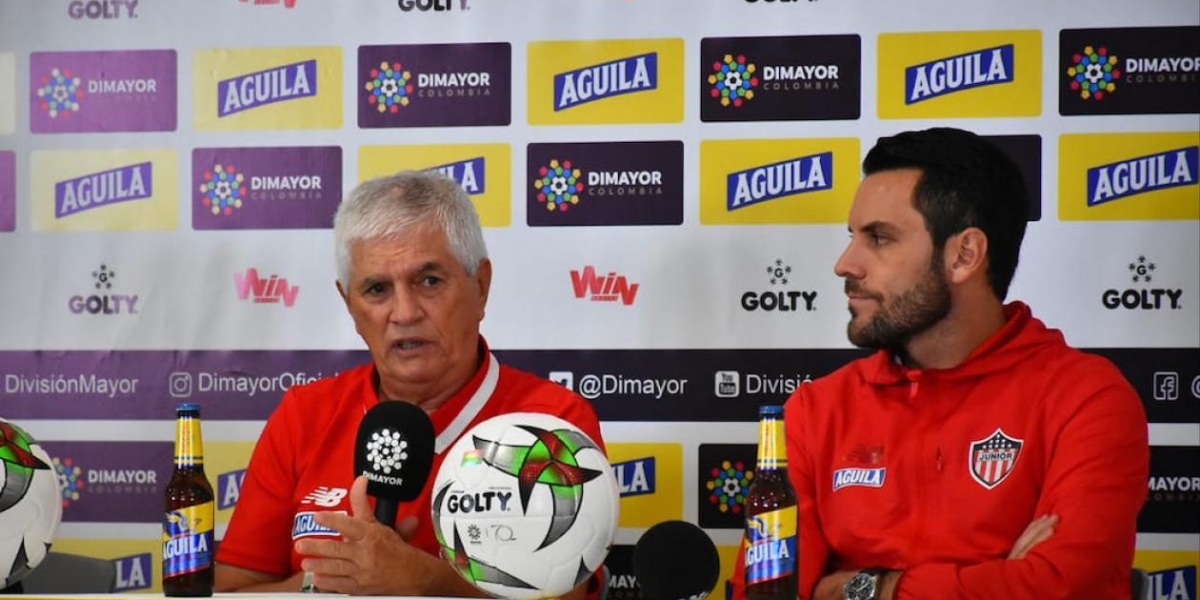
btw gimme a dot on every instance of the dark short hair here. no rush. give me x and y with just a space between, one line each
965 181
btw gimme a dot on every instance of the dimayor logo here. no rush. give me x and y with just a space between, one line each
100 301
616 183
650 480
1131 70
558 185
960 74
780 78
127 90
104 190
733 80
274 289
70 479
434 5
276 88
728 484
103 9
435 85
617 81
484 171
587 284
779 296
777 181
1129 176
1094 73
724 474
266 188
1143 296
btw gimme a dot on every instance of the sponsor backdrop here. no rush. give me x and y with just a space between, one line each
663 183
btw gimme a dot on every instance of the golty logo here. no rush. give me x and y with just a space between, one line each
559 185
390 87
102 9
60 93
1094 73
432 5
778 274
224 189
1142 271
728 485
109 304
733 80
993 458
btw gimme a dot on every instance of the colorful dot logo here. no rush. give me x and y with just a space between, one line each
390 87
733 80
60 93
1094 73
70 480
729 485
223 189
559 185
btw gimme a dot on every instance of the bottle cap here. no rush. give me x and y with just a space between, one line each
183 407
770 410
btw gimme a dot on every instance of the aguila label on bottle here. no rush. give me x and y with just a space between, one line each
770 546
187 540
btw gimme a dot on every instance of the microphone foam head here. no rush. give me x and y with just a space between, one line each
675 560
394 450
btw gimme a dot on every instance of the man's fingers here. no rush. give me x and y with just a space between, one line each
407 527
335 583
321 548
1037 532
350 528
360 507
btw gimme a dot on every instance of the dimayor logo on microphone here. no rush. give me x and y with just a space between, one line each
275 88
754 182
8 92
613 183
386 452
650 481
125 90
613 81
960 74
483 170
266 188
111 190
1129 71
435 85
1128 176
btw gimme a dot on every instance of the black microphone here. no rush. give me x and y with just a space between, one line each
394 450
676 560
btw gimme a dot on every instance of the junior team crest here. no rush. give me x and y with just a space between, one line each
993 458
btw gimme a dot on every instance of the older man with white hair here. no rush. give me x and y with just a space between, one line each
414 274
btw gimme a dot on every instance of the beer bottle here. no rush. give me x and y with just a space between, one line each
770 544
187 563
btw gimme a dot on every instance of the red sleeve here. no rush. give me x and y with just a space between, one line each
814 550
259 534
1095 483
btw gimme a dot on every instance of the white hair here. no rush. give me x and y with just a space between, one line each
387 207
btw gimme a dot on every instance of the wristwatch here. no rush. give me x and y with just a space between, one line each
865 584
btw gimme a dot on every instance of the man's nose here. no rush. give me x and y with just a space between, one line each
406 307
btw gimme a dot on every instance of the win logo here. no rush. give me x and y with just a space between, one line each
272 290
470 174
948 75
287 82
133 182
778 180
603 288
635 477
597 82
1143 174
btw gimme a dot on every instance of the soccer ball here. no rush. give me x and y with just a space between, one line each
30 504
525 506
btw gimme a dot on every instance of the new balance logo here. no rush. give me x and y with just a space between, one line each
326 497
603 288
271 290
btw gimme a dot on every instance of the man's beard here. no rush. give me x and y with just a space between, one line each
904 317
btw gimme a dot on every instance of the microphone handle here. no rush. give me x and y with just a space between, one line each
385 511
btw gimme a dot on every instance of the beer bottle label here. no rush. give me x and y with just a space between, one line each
187 540
770 546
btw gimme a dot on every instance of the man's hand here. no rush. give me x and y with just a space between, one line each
1038 531
372 558
833 586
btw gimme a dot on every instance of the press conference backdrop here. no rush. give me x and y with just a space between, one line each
664 186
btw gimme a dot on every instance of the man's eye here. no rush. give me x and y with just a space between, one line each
375 289
430 280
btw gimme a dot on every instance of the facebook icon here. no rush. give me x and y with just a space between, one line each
1166 385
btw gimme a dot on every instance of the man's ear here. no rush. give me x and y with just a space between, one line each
483 279
965 255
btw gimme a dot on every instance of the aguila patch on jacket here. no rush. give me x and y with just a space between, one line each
994 457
